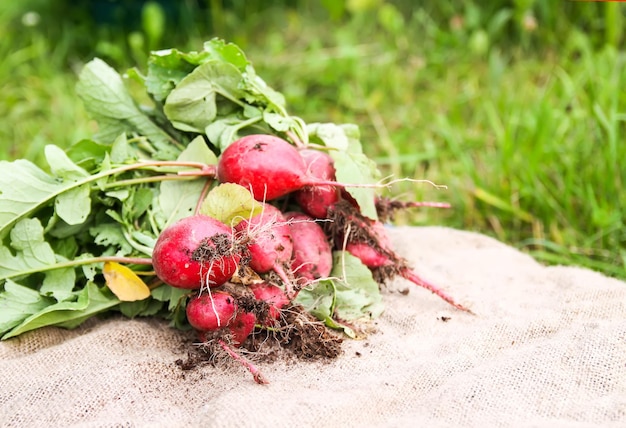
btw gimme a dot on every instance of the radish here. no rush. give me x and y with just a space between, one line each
195 251
378 255
271 243
241 327
211 312
272 295
269 166
315 200
312 255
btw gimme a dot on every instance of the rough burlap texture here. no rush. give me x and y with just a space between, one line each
547 348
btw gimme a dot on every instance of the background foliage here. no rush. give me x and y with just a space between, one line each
518 106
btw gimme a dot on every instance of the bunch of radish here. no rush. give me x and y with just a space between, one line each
243 275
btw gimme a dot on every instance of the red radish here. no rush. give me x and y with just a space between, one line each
315 200
241 327
269 166
368 254
272 295
272 244
312 255
379 254
195 251
210 312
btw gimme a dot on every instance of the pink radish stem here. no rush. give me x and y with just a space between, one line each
417 280
256 373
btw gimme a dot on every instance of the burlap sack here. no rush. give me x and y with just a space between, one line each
546 349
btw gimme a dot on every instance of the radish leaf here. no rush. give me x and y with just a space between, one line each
69 314
178 199
107 100
358 295
230 203
351 164
17 303
18 198
124 283
193 104
353 296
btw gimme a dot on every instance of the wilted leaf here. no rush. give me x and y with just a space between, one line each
124 283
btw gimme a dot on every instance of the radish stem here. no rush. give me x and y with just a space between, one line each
256 373
415 279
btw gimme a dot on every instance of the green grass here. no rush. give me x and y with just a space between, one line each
525 127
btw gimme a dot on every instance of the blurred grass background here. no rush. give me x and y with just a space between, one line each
518 106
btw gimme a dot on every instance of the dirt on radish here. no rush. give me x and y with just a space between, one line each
297 336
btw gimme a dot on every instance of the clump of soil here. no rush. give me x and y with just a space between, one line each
298 335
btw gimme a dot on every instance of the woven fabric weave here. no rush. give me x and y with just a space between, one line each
546 348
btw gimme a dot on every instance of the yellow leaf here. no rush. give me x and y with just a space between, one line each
124 283
230 203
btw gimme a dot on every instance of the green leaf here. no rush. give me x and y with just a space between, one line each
69 188
19 197
178 199
319 300
230 203
121 151
358 294
140 308
111 236
192 105
279 122
352 166
228 52
90 301
177 302
107 100
137 203
62 166
354 296
166 68
59 283
18 303
172 295
223 132
258 92
74 205
87 154
32 252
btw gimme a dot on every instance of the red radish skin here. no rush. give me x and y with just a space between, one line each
211 312
271 247
373 258
269 166
315 200
272 295
312 255
241 327
186 254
